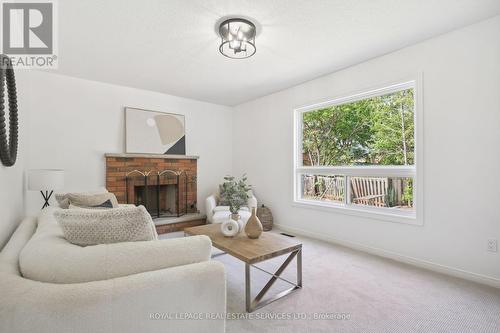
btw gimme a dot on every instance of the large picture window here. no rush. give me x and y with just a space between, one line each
358 153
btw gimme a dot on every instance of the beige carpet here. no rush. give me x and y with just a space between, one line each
362 293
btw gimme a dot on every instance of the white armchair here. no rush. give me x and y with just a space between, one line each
217 214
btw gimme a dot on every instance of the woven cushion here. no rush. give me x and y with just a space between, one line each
63 201
91 227
101 200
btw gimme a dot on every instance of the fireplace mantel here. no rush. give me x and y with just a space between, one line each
167 157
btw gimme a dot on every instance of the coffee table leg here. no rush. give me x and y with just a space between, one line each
248 299
257 303
299 268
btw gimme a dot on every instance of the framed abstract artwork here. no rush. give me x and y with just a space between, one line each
152 132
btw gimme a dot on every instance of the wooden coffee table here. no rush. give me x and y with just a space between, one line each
252 251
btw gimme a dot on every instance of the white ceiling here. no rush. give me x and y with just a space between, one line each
170 46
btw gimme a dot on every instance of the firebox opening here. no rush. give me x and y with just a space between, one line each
164 194
164 203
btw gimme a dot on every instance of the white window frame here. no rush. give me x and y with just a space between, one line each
414 171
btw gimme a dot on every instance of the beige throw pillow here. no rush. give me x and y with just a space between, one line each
63 201
92 227
102 200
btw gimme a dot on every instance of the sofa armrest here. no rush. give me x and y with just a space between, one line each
210 204
142 302
101 262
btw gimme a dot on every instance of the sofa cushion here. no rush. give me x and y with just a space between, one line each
49 257
92 227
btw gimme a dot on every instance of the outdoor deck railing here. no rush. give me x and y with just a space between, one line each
370 191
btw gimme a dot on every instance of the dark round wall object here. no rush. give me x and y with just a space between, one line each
8 146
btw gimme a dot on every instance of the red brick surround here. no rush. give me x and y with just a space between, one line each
118 165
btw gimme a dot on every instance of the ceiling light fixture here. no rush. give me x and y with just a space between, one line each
237 38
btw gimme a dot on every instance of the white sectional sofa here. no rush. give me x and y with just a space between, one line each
48 285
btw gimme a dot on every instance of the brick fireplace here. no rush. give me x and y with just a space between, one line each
165 184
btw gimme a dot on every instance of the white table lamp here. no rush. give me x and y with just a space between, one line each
45 181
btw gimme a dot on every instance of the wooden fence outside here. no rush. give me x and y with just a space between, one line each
324 187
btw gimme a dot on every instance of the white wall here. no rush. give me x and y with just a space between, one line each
74 122
461 155
12 178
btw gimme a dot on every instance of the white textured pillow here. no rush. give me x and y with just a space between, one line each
92 227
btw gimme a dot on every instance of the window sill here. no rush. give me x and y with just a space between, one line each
365 212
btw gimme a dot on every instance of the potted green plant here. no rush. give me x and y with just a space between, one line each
234 193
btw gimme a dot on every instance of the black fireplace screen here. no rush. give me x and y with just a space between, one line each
163 193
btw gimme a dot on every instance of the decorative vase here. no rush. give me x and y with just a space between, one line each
229 228
253 229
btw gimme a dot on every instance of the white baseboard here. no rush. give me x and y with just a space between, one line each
456 272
